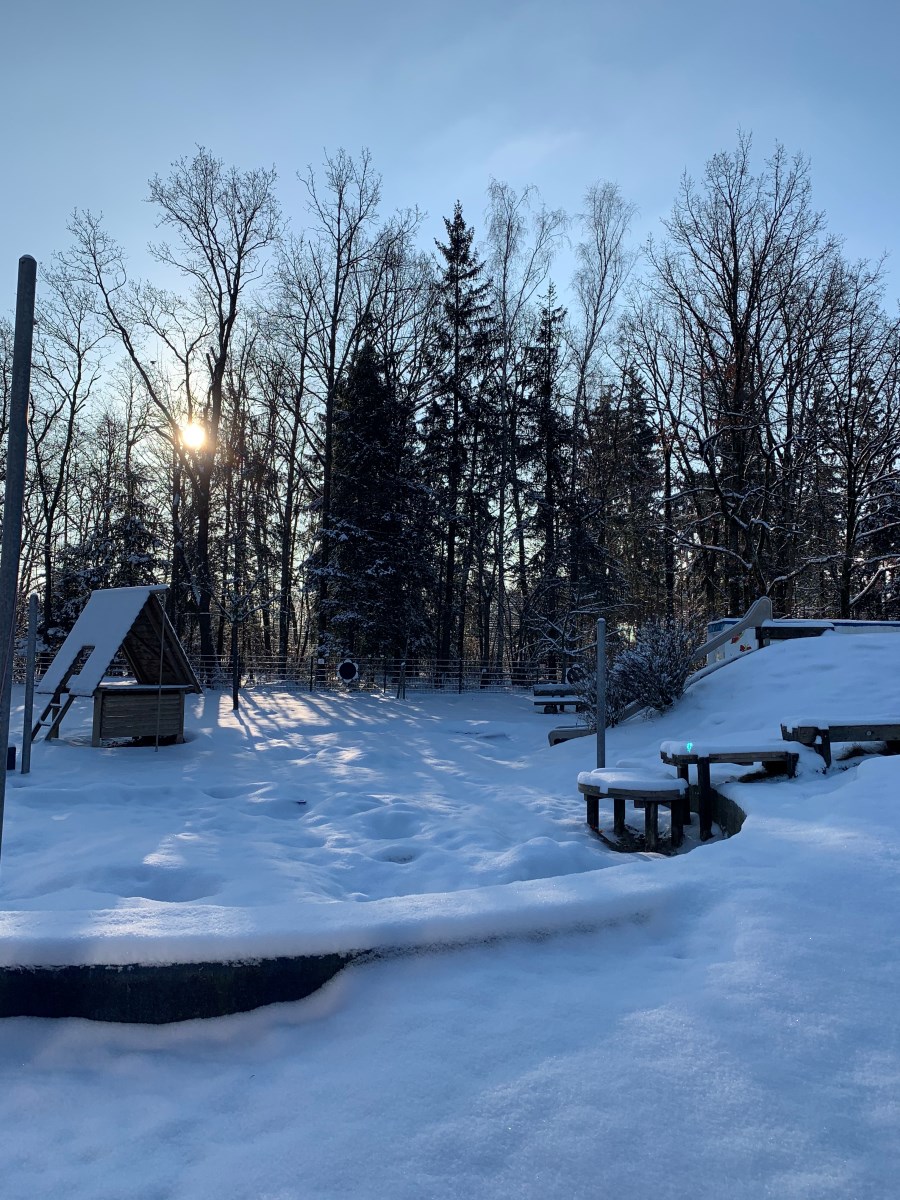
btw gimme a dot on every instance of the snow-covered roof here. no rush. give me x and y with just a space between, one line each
131 619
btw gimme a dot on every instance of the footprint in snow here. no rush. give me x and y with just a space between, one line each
170 884
228 792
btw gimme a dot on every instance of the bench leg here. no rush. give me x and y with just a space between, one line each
593 812
824 746
706 800
651 825
618 817
677 807
685 774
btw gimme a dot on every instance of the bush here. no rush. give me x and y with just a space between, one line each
654 669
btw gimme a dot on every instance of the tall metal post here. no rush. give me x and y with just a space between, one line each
601 692
14 495
235 667
31 657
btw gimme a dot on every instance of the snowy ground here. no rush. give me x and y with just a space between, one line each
295 797
716 1024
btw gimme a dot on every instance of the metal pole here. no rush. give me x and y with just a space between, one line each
162 646
235 665
15 494
601 692
29 684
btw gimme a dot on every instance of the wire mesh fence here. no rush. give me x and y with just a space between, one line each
390 676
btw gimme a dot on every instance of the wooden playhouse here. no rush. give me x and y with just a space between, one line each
150 704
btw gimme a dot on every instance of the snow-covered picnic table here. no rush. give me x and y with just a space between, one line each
774 754
646 789
821 732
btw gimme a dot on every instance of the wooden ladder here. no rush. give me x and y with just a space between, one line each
56 708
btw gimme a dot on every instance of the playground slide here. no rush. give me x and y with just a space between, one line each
760 610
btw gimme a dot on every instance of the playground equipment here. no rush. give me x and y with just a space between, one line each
133 621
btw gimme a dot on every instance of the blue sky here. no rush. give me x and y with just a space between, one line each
98 96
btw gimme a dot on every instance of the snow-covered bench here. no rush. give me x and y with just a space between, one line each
819 733
644 790
565 733
556 697
773 755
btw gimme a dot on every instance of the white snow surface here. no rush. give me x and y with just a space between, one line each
720 1023
867 718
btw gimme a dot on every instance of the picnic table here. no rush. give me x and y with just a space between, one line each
820 733
774 756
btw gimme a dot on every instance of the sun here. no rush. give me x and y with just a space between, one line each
193 436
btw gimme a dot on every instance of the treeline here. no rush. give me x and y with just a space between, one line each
332 440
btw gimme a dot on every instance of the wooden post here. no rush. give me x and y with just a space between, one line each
593 812
618 816
684 773
98 719
706 801
825 744
651 824
677 825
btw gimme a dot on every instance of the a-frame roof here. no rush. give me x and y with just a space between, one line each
132 620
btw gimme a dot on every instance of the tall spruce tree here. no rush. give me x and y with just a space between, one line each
545 452
454 424
377 572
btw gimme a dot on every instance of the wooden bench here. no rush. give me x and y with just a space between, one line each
556 697
565 733
820 734
645 791
774 757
